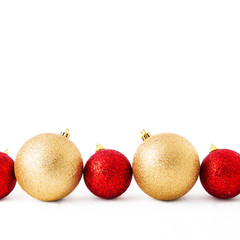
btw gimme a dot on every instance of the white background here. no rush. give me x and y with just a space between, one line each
106 69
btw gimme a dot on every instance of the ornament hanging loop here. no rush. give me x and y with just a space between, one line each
66 133
145 135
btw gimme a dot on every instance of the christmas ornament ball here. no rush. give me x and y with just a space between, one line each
49 166
7 176
220 173
165 166
107 173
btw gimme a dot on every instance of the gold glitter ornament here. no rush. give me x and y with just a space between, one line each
165 166
49 166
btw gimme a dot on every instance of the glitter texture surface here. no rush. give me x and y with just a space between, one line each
166 166
107 173
220 173
48 167
7 176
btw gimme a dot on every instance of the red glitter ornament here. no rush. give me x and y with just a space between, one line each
220 173
7 176
107 173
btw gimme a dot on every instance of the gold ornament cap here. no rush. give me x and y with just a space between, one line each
145 135
99 147
66 133
6 151
213 148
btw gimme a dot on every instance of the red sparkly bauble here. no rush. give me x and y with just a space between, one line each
7 176
220 173
107 173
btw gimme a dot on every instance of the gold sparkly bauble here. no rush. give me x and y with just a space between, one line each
166 166
48 167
